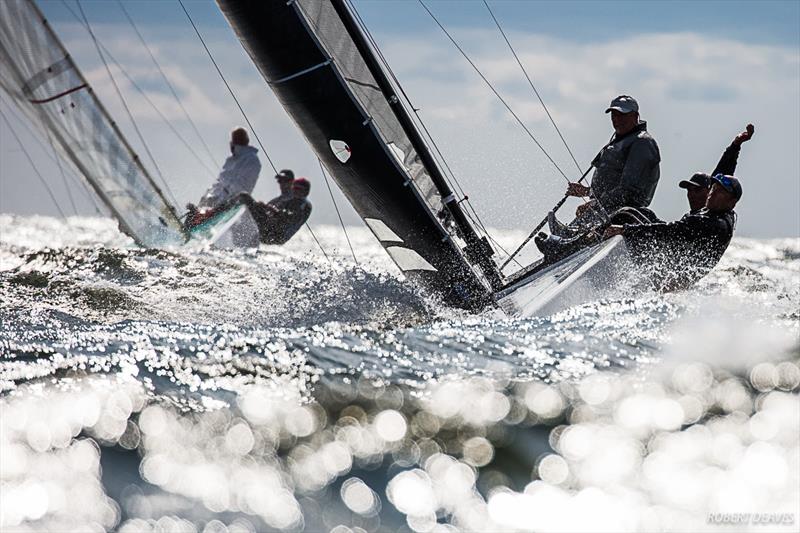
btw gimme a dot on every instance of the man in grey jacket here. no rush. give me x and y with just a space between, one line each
626 170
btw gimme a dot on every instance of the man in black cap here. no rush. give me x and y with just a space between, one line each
278 223
678 254
698 186
284 178
697 189
626 171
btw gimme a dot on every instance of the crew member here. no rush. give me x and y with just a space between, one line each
679 253
698 186
239 174
284 178
626 171
277 224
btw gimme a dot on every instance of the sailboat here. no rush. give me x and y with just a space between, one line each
331 79
42 79
329 76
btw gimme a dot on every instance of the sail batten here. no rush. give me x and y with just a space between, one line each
45 83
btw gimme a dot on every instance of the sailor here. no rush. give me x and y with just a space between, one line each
238 175
698 186
277 224
697 189
626 171
680 253
284 178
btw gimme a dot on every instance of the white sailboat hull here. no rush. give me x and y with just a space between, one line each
234 228
589 275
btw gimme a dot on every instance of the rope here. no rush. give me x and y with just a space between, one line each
222 77
338 214
124 103
160 114
166 80
318 244
497 94
33 165
530 82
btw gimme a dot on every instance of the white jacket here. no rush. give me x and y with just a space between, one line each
239 174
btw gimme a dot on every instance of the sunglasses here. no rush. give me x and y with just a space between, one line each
725 181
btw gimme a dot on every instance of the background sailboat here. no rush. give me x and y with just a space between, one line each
38 73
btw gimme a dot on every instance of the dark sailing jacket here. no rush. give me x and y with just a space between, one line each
627 170
678 254
276 225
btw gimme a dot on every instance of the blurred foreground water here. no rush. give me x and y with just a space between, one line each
269 389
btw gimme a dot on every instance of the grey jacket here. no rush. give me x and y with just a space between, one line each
627 170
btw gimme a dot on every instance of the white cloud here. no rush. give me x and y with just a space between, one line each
695 91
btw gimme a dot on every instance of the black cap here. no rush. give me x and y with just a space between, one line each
699 179
285 175
730 184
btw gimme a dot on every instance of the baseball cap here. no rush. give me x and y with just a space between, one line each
285 175
624 104
730 184
699 179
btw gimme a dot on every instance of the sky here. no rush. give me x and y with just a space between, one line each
700 71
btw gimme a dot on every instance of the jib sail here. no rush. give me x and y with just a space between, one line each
42 79
326 75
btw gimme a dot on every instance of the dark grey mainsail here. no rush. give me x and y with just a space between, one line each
43 81
328 78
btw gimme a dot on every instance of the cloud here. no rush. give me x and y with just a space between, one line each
696 92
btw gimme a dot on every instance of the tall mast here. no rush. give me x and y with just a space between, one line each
477 250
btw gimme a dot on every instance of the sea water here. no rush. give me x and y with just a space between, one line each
280 389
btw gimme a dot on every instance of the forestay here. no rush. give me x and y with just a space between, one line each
42 79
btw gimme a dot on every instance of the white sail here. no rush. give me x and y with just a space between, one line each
43 81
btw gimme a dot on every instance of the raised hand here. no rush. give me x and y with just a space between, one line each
745 136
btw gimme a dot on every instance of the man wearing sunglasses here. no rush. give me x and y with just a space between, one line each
699 185
697 190
680 253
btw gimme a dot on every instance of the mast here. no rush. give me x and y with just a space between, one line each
478 250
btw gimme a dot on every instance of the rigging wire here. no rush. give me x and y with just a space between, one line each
89 194
160 114
338 214
166 80
124 103
148 100
471 213
33 165
225 81
530 82
489 84
241 110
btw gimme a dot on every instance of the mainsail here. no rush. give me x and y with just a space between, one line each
40 76
328 78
